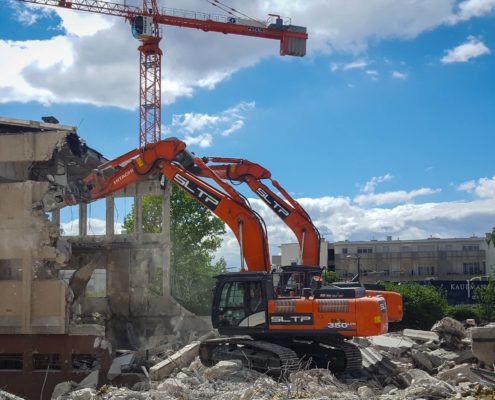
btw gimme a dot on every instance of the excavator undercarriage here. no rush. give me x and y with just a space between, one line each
290 319
279 356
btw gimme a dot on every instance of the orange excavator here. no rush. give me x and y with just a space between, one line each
298 221
282 326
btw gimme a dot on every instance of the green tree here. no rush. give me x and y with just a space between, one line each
423 305
195 234
490 237
485 296
330 277
462 312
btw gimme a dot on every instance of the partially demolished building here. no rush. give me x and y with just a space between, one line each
47 324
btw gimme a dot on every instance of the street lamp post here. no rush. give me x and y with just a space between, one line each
358 266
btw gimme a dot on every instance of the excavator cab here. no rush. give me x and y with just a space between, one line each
240 302
291 280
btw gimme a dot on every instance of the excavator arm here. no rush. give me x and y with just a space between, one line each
171 159
292 214
284 206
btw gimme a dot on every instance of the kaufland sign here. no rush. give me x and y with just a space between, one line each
459 292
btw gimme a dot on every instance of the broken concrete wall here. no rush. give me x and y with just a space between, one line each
27 242
138 303
36 158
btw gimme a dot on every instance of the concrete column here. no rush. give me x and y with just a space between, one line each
109 218
166 240
27 286
138 213
56 218
83 219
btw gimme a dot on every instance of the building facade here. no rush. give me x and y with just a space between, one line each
404 260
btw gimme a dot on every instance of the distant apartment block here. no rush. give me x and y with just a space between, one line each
403 260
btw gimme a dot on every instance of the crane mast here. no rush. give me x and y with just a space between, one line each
146 23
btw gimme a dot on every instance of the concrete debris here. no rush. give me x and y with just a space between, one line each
458 374
440 356
450 326
483 346
365 392
91 381
179 360
451 332
223 368
62 388
7 396
422 361
389 342
120 364
395 366
420 336
82 394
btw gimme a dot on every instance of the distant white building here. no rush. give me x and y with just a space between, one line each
400 260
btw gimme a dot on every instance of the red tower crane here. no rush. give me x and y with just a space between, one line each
145 23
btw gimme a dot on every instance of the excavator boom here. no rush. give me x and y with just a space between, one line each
170 158
284 206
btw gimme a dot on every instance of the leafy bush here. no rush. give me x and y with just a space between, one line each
330 277
485 296
464 311
423 305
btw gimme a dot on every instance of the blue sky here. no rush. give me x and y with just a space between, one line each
386 127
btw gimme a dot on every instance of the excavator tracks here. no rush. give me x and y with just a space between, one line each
283 357
262 356
337 355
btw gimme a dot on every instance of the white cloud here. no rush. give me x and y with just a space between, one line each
95 227
474 8
372 73
472 48
369 187
468 186
357 64
482 188
28 14
398 196
399 75
96 61
201 140
83 24
341 218
200 128
369 197
485 188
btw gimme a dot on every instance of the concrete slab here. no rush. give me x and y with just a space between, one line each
117 364
420 336
391 342
460 373
180 359
440 356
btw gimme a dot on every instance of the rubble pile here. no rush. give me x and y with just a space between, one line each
411 364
